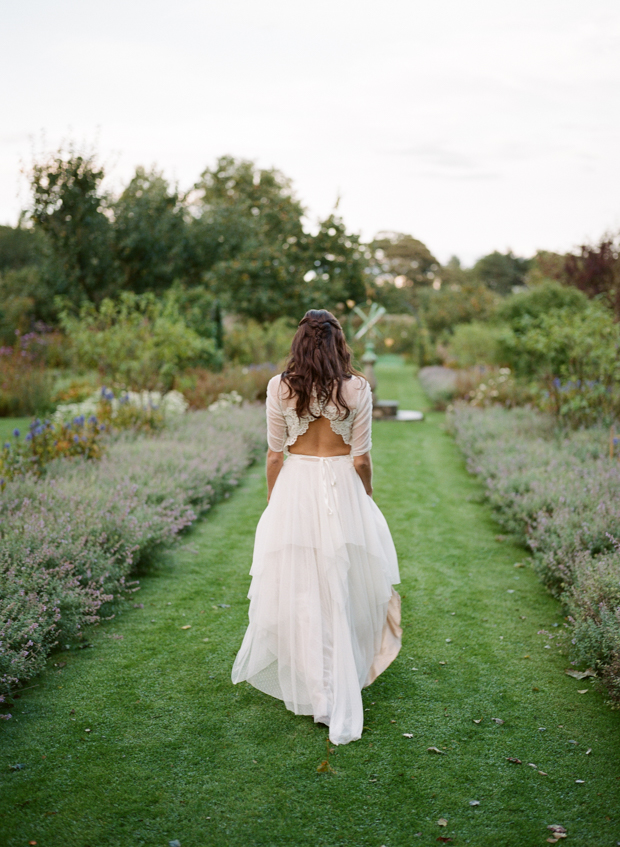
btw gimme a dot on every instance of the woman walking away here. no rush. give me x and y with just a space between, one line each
324 618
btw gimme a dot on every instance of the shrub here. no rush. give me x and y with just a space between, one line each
576 357
252 343
139 411
137 341
559 492
473 344
71 538
202 387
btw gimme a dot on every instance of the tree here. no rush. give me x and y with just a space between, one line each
595 270
501 272
150 234
70 209
260 262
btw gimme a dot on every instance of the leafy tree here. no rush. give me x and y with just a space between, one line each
20 247
248 233
501 272
525 309
150 234
70 209
595 270
399 267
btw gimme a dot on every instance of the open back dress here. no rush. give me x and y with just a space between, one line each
324 618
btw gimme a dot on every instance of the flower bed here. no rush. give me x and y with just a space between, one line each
559 493
70 538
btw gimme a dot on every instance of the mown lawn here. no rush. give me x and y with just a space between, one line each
7 425
174 751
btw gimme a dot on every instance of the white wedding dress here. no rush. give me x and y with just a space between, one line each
324 618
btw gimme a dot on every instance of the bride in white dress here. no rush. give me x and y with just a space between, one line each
324 618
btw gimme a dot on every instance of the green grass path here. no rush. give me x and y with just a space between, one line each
175 751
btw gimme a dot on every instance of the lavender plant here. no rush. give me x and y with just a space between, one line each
71 538
559 493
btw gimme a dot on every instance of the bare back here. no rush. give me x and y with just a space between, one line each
320 440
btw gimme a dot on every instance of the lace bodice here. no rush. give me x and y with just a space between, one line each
284 426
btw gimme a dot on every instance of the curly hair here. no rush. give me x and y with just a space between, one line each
320 361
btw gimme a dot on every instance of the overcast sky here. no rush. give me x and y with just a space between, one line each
473 125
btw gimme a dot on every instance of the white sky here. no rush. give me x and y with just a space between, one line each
473 124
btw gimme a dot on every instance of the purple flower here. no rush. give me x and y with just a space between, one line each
7 446
76 439
28 436
92 419
16 433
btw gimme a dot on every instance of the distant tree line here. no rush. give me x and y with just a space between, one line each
238 242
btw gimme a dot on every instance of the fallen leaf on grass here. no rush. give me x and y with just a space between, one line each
588 751
542 773
582 690
498 721
580 781
435 750
474 802
444 838
60 664
443 663
448 641
477 721
531 765
514 760
187 626
407 735
579 674
442 822
325 767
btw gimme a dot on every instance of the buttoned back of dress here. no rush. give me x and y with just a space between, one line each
284 425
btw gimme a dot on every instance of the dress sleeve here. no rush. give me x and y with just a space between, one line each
276 424
361 441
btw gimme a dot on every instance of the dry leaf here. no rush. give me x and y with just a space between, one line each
588 751
532 765
442 822
87 730
582 690
325 767
498 721
187 626
514 760
554 827
542 773
476 721
474 802
443 663
407 735
448 641
435 750
580 781
579 674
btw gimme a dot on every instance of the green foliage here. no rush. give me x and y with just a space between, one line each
475 343
20 247
136 341
501 272
69 209
150 234
399 265
441 310
251 343
576 355
526 308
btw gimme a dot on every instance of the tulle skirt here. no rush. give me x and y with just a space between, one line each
324 618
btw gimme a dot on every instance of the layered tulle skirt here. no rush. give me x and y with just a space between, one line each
324 618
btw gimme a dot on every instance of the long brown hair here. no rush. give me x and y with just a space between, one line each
320 359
